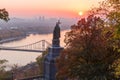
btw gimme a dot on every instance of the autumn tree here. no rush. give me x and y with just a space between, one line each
90 52
4 15
111 11
3 74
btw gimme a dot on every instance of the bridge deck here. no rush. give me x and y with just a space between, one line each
21 50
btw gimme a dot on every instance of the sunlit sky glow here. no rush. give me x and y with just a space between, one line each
50 8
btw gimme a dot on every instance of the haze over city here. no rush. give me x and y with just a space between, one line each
48 8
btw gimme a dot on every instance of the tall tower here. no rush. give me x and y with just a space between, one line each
53 52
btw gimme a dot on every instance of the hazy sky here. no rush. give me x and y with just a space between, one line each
52 8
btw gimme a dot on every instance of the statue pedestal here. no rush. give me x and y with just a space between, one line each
49 63
55 43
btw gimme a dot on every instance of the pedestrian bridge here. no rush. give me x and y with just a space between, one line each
39 46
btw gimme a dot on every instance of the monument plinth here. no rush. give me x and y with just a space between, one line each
53 52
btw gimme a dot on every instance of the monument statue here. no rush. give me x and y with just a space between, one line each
50 69
56 32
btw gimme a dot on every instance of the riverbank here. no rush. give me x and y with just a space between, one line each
11 39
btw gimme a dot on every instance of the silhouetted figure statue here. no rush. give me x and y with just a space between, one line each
56 32
56 35
50 69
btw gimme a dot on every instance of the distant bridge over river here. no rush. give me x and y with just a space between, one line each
39 46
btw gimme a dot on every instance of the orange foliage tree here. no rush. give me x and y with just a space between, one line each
4 15
90 53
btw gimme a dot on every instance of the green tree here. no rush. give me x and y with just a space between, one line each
40 60
3 73
2 66
4 15
90 53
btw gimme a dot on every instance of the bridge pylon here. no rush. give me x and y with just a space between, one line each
43 44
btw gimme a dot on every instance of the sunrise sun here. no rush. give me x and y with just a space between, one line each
80 13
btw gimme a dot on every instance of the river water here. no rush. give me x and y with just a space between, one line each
22 58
